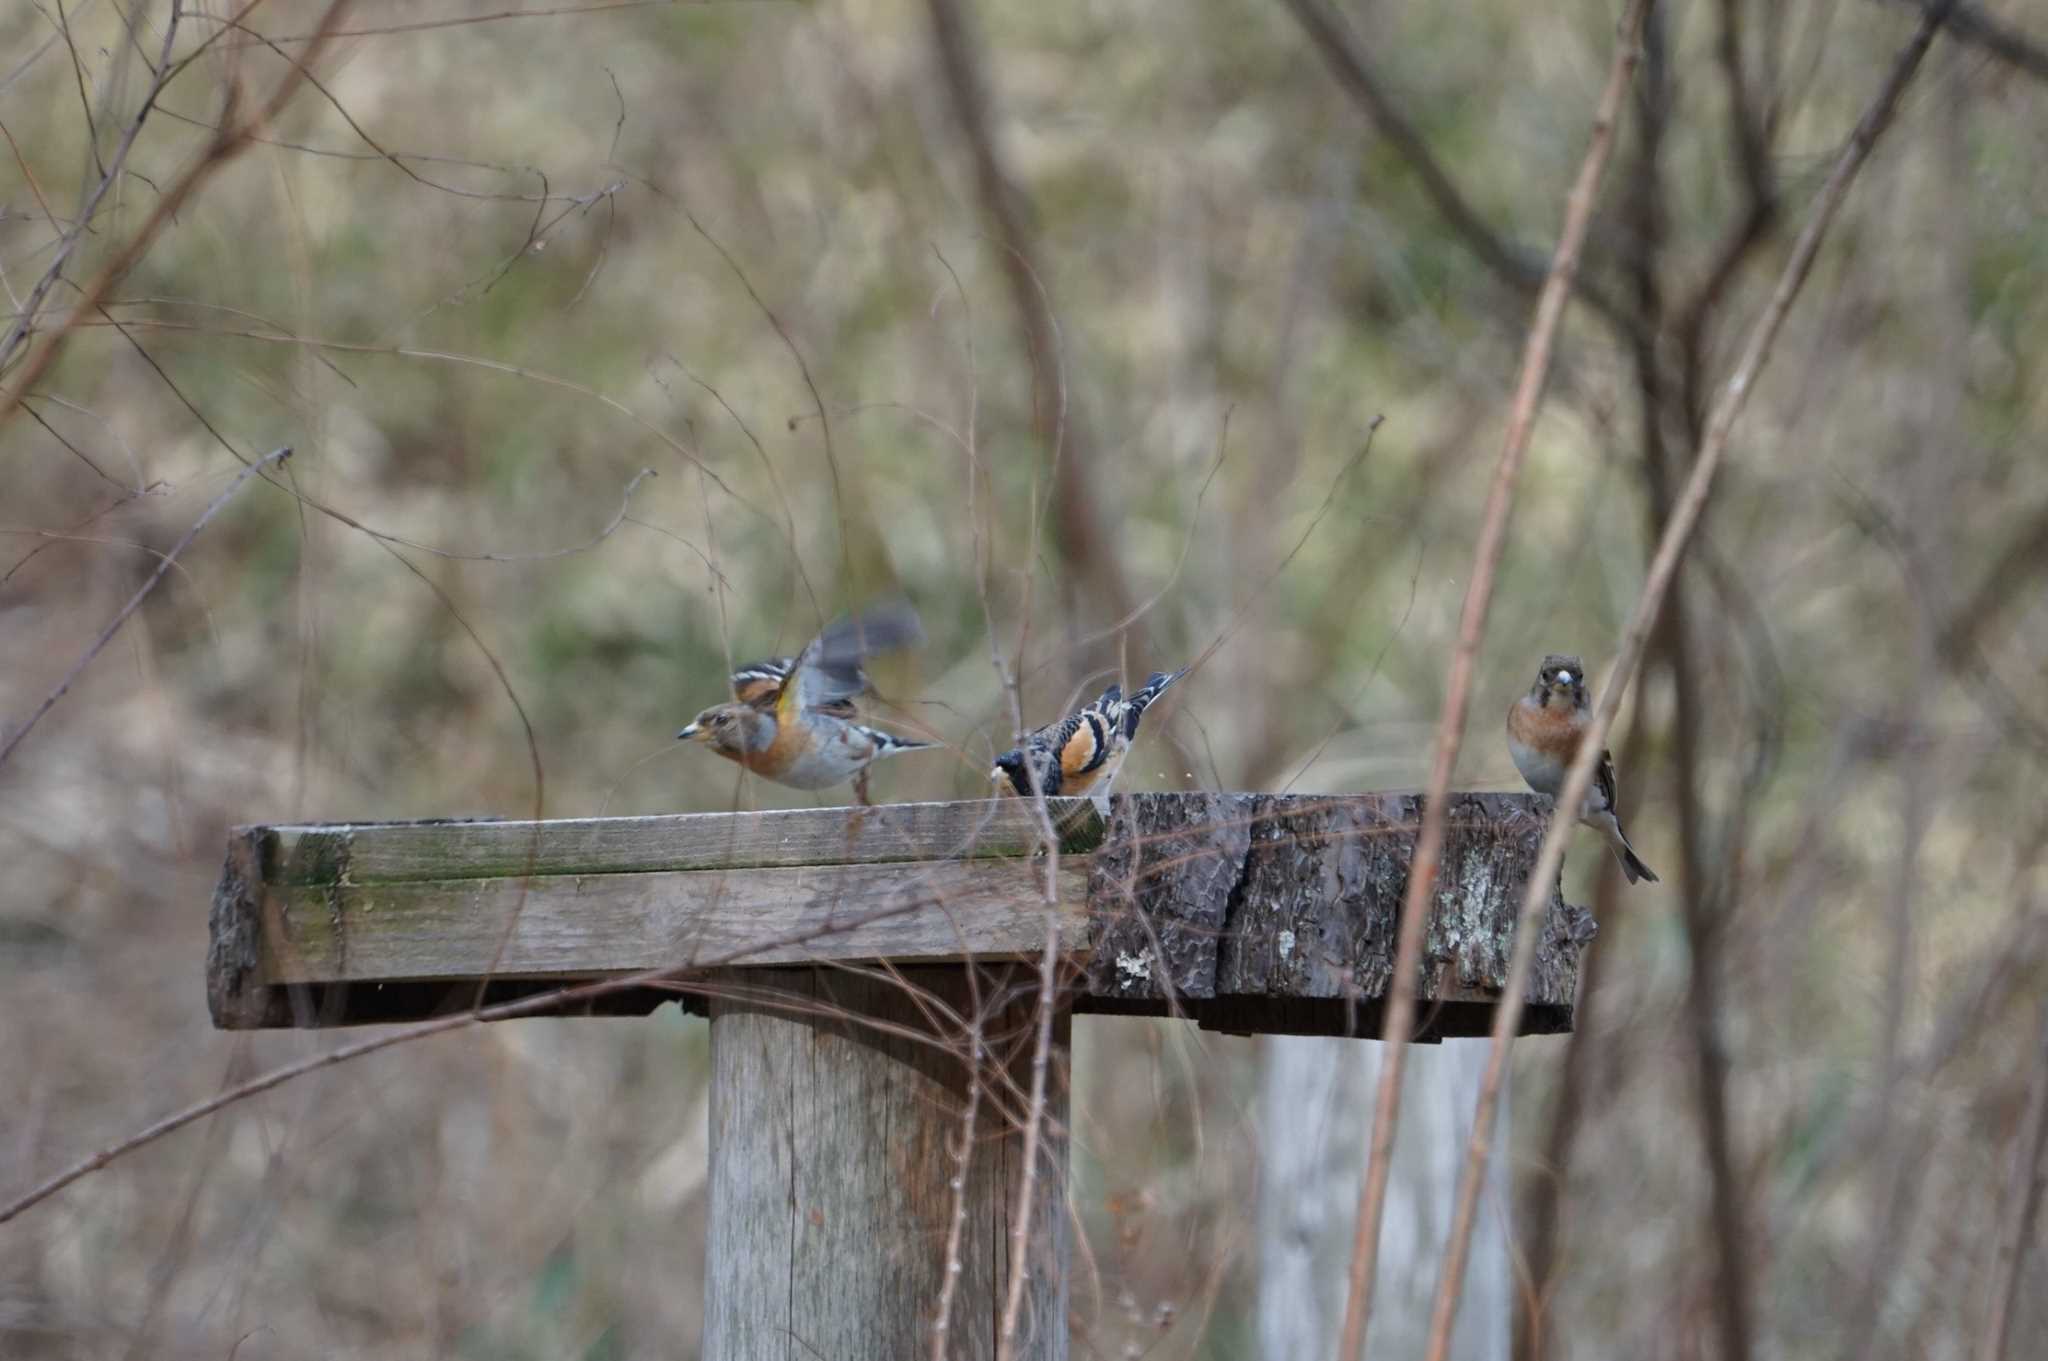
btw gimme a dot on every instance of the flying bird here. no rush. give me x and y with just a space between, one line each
1545 728
1081 753
793 720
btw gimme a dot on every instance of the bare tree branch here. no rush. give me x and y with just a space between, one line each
1400 1007
1970 24
1677 534
14 739
1671 648
1553 1175
1082 539
1998 588
2022 1203
224 147
1520 268
1750 134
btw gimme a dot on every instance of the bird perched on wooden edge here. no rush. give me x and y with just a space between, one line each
1081 753
793 719
1545 728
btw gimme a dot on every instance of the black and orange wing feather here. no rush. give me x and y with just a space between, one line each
1603 780
1082 743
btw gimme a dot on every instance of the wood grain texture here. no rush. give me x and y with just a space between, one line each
382 852
598 926
1244 912
831 1170
1201 900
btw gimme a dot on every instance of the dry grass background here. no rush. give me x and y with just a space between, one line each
576 256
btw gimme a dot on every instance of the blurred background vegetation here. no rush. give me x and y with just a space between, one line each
1047 316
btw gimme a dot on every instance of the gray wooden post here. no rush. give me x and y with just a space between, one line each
1317 1107
836 1124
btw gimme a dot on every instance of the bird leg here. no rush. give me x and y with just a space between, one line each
860 788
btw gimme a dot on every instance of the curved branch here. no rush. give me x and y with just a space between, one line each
1520 268
1429 842
1677 534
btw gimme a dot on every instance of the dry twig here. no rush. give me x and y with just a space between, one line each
1677 534
1400 1006
234 137
2022 1203
14 738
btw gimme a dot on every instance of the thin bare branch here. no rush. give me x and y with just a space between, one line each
1971 25
1677 534
14 739
1429 843
2024 1187
562 1000
1514 264
1083 540
963 1155
223 148
1034 1129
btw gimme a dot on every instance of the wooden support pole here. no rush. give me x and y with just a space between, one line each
838 1110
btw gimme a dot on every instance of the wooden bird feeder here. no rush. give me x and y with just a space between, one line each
845 955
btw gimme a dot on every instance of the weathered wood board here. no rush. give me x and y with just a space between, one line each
835 1179
1278 913
1246 912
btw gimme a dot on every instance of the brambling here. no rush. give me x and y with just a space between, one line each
1081 753
792 719
1545 727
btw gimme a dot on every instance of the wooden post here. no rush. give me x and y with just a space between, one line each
1317 1107
842 955
835 1178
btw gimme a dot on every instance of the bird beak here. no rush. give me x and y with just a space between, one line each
687 733
1564 678
996 775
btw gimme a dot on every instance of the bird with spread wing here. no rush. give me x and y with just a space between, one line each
793 719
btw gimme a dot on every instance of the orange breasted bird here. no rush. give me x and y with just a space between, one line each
792 719
1081 753
1545 728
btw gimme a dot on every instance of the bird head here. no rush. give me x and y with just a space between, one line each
725 728
1009 767
1561 676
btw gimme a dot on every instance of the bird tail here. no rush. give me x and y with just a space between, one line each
888 743
1154 686
1632 866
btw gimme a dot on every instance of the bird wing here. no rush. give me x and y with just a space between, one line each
828 673
1603 780
758 683
1081 742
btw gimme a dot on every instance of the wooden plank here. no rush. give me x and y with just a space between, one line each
1245 912
599 926
832 1195
386 852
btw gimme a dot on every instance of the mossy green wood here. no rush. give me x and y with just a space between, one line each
464 848
1245 912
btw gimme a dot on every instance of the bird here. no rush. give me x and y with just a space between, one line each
1545 728
793 720
1081 753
